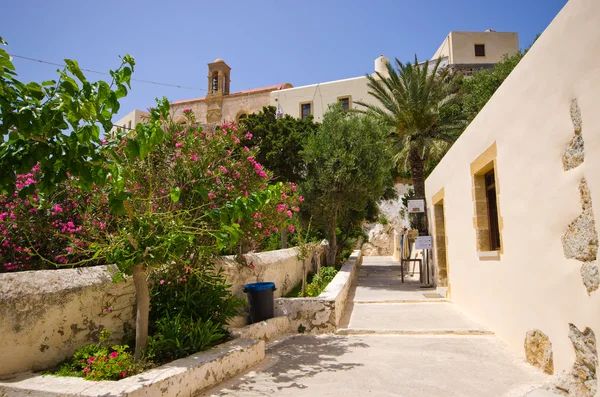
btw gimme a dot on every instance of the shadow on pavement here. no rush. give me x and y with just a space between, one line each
295 359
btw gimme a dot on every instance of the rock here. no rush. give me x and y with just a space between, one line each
576 116
382 238
582 380
580 241
369 249
590 276
538 351
574 154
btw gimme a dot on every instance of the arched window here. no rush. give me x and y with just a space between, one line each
242 116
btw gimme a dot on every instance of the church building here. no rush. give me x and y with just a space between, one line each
221 105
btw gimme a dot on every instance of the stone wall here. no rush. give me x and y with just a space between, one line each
46 315
281 267
323 313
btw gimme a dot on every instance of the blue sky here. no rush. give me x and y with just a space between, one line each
264 41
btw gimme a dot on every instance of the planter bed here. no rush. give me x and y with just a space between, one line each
182 377
323 313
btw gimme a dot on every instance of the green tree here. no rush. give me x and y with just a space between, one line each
168 208
348 164
417 102
57 124
280 141
478 89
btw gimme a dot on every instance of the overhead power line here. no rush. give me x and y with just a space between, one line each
108 74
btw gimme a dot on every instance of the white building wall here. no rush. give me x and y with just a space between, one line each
131 119
320 95
497 44
532 285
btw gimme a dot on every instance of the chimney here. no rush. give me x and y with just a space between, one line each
380 65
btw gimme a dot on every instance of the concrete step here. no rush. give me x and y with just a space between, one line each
411 318
357 331
381 302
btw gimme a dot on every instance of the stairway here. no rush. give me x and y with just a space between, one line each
379 303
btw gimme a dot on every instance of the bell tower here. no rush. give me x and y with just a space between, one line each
218 86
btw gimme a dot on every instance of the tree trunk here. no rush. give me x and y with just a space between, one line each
142 300
417 168
332 242
318 261
304 277
284 238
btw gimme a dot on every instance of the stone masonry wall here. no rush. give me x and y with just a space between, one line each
46 315
281 267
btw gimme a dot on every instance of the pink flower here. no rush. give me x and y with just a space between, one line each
57 208
113 355
123 374
90 360
193 157
301 198
162 282
178 144
291 228
187 110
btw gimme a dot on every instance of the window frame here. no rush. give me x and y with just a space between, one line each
482 47
309 103
349 98
486 165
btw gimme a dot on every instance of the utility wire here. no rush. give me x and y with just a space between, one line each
108 74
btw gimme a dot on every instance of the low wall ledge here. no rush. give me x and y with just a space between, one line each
186 376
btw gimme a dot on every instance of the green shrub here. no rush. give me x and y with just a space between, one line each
318 283
181 336
195 292
383 220
190 307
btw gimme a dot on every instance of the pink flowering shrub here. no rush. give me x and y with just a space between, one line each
211 185
101 362
194 176
35 236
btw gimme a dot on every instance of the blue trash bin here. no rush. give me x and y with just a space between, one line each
260 299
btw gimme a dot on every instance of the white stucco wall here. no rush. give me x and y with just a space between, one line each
497 44
131 119
532 285
281 267
321 95
46 315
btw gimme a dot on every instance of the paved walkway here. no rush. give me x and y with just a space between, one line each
394 341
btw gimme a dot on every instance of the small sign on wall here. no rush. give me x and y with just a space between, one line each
423 242
416 206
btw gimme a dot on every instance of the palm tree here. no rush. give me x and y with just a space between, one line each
419 103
